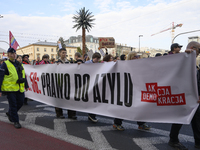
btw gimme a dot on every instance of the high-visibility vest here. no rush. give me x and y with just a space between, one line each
10 81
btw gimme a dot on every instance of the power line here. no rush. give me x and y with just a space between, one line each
145 14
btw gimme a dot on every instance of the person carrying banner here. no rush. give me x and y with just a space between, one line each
116 58
175 48
53 60
45 59
25 59
37 62
175 128
59 112
78 59
123 57
12 83
196 119
118 122
95 59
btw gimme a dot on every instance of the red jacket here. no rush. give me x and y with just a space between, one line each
25 62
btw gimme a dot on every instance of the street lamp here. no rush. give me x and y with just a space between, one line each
184 33
139 41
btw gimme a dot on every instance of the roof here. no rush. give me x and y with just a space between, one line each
49 44
45 43
2 50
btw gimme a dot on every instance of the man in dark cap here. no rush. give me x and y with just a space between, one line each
12 83
25 59
175 48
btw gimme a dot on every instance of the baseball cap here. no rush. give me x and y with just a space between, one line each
175 45
25 56
11 50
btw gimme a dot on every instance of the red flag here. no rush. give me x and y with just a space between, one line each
13 42
3 53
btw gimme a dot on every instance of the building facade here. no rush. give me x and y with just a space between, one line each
122 49
91 42
194 38
40 48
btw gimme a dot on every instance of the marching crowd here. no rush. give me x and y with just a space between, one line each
13 84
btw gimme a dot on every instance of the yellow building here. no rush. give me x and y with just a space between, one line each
3 53
40 48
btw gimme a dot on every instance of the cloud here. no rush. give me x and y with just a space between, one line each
39 13
123 5
104 5
70 5
124 23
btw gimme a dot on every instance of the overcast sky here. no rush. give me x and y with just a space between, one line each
125 20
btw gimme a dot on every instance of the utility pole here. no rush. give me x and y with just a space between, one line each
139 41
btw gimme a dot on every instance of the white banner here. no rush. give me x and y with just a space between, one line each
161 89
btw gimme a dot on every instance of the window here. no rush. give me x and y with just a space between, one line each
91 46
70 56
0 56
52 56
74 51
52 50
69 51
45 49
91 40
76 40
37 49
38 55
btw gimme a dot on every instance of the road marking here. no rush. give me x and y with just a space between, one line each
4 102
148 143
38 106
99 140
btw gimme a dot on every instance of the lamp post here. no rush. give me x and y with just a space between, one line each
139 41
184 33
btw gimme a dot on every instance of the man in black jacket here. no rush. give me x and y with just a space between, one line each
175 128
59 112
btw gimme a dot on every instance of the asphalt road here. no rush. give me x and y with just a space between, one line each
96 136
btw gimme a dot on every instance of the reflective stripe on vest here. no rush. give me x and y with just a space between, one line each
10 81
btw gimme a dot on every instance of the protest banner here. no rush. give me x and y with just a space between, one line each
108 42
161 89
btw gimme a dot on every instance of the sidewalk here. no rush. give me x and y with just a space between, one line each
25 139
